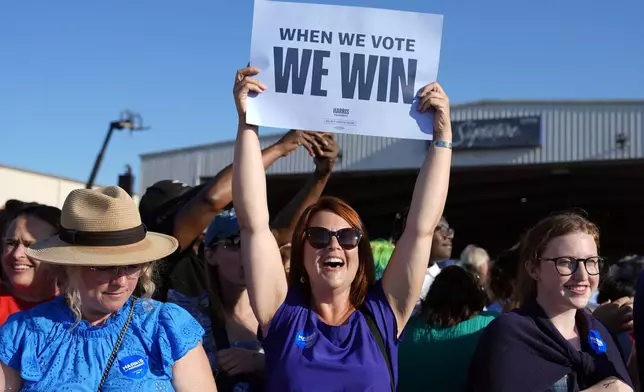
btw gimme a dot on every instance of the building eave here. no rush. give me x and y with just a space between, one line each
480 103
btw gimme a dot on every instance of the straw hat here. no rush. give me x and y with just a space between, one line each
102 227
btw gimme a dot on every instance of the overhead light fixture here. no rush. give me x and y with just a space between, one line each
621 140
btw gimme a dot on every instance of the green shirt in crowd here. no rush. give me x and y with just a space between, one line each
438 359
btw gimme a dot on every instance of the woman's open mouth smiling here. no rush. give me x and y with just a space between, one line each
333 263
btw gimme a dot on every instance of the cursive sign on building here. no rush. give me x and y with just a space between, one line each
513 132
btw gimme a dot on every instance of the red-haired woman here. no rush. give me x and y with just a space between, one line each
334 328
551 342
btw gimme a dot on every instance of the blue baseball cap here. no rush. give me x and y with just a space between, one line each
223 226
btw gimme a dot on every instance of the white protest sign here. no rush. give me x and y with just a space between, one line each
343 69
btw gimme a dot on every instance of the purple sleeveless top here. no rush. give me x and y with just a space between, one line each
304 354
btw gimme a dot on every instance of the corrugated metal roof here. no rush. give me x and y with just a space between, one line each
572 131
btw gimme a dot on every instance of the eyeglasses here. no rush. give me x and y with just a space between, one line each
232 243
445 230
319 237
567 266
107 274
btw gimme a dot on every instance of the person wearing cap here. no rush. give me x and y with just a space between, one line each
239 356
97 335
174 208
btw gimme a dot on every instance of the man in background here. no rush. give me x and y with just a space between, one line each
439 258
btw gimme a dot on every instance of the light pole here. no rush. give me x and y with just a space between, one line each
130 120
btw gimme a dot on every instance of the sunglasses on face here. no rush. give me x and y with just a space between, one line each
231 243
226 243
319 237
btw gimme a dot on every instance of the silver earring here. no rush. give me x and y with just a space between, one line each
302 280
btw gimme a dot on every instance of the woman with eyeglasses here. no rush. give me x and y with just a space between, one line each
97 336
551 342
333 328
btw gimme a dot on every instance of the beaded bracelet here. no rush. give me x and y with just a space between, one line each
443 144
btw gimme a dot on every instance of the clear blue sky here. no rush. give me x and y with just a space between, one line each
68 67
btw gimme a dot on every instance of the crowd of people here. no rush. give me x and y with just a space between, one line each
198 289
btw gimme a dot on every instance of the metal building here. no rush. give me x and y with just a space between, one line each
30 186
514 162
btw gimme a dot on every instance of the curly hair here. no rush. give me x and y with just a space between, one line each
70 275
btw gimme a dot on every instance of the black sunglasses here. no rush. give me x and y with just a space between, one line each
319 237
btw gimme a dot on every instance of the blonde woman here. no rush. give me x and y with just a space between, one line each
98 335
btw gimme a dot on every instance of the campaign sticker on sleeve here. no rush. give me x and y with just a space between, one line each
596 343
134 366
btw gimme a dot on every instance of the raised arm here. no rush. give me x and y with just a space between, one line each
264 274
326 151
403 277
193 218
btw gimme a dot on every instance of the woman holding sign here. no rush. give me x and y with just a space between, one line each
332 327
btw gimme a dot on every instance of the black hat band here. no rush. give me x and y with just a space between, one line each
103 238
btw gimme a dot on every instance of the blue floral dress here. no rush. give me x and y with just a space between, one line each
53 355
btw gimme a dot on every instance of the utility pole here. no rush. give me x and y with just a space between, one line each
130 120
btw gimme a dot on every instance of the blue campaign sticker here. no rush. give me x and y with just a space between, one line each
596 343
306 339
134 366
242 387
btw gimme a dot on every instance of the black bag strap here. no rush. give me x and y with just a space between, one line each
373 327
220 335
112 357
